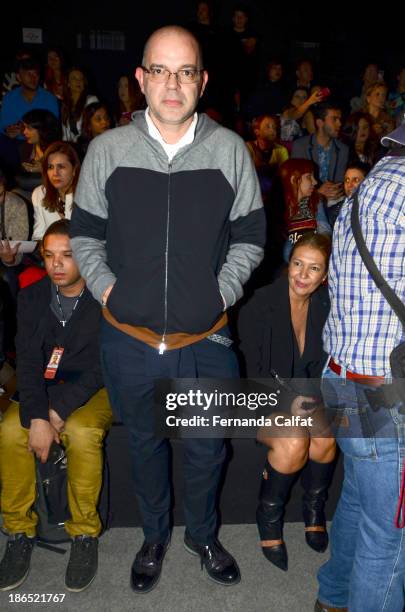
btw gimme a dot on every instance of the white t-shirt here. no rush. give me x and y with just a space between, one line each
171 149
43 218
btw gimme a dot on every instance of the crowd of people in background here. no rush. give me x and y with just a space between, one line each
50 116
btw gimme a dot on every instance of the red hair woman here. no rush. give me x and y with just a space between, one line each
304 210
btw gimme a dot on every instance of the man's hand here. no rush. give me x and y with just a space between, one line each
330 190
105 295
41 436
8 253
57 423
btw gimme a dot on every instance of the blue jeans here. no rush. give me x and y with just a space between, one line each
366 571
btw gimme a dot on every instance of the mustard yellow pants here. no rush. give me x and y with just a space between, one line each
82 438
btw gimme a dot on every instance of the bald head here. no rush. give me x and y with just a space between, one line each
173 32
169 54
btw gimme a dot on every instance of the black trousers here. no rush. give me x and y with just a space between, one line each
130 369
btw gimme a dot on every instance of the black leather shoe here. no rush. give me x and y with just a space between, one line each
221 567
147 566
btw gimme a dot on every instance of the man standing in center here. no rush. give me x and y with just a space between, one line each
168 226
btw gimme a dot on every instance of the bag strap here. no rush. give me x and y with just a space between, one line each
390 295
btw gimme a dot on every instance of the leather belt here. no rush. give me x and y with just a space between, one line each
364 379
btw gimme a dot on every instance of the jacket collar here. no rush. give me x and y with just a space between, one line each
204 128
314 143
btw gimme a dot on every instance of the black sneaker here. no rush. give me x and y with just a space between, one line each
15 565
83 563
221 567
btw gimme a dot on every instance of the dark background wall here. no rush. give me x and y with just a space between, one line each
341 38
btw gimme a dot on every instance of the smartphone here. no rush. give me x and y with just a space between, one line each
287 386
325 92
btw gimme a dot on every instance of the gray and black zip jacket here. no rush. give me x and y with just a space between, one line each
171 237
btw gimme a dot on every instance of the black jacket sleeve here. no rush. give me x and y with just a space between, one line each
30 361
251 331
67 397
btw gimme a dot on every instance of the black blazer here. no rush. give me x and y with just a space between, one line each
306 148
38 332
266 332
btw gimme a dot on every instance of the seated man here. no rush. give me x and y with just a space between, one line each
61 398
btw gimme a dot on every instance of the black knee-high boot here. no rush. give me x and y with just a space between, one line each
274 493
316 478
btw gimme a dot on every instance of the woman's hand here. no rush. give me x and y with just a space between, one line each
298 407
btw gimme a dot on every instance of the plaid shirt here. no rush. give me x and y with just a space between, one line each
362 330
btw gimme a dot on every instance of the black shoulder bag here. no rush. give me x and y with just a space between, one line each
51 504
397 357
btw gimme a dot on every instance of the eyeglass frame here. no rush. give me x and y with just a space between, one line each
199 72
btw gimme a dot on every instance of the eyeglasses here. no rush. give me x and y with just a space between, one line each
157 74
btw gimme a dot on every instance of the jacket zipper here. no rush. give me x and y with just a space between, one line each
162 345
